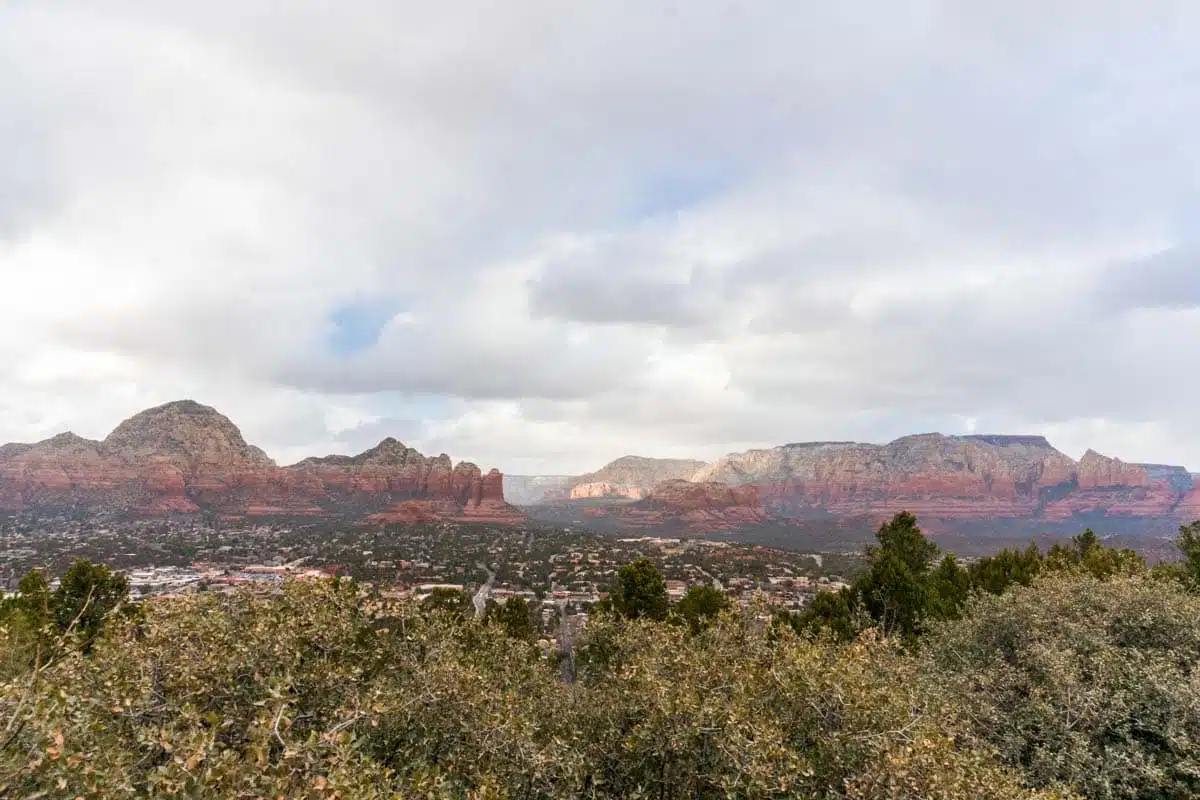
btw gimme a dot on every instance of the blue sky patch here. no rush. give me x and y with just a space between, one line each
677 190
355 327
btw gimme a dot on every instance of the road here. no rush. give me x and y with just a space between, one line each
481 597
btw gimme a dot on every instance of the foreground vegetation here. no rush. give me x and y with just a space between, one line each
1075 678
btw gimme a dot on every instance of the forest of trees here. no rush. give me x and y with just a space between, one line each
1066 674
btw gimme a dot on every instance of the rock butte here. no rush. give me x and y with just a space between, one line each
184 457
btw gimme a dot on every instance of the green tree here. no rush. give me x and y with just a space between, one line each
640 591
514 617
949 585
895 589
1188 543
896 597
454 601
701 605
1085 553
902 538
27 621
1085 542
829 611
996 573
33 598
85 596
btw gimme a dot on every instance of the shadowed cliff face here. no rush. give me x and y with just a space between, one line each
185 457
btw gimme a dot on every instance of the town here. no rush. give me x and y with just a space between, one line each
559 569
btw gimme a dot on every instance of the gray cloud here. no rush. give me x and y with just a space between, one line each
625 226
1166 280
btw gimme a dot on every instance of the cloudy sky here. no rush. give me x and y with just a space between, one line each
541 235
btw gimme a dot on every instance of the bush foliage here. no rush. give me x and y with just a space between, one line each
316 692
1072 674
1092 683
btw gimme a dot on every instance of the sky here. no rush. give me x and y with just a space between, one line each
541 235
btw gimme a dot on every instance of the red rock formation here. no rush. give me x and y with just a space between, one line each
476 498
1095 470
950 482
184 457
1110 486
696 507
951 478
1188 509
587 491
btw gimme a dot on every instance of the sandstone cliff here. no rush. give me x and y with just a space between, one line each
632 477
951 477
184 457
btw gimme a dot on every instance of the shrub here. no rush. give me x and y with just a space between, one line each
1092 683
313 692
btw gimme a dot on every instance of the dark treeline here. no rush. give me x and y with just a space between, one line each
906 587
1070 673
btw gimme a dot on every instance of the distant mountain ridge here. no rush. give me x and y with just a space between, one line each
939 476
953 479
184 457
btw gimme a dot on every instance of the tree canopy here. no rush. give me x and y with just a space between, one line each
701 605
902 593
640 591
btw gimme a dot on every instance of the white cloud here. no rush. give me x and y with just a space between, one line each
658 228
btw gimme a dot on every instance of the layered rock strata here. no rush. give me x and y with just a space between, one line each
185 457
953 477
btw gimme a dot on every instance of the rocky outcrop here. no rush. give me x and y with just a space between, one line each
951 477
474 498
695 507
1095 470
631 477
184 457
1111 487
186 435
